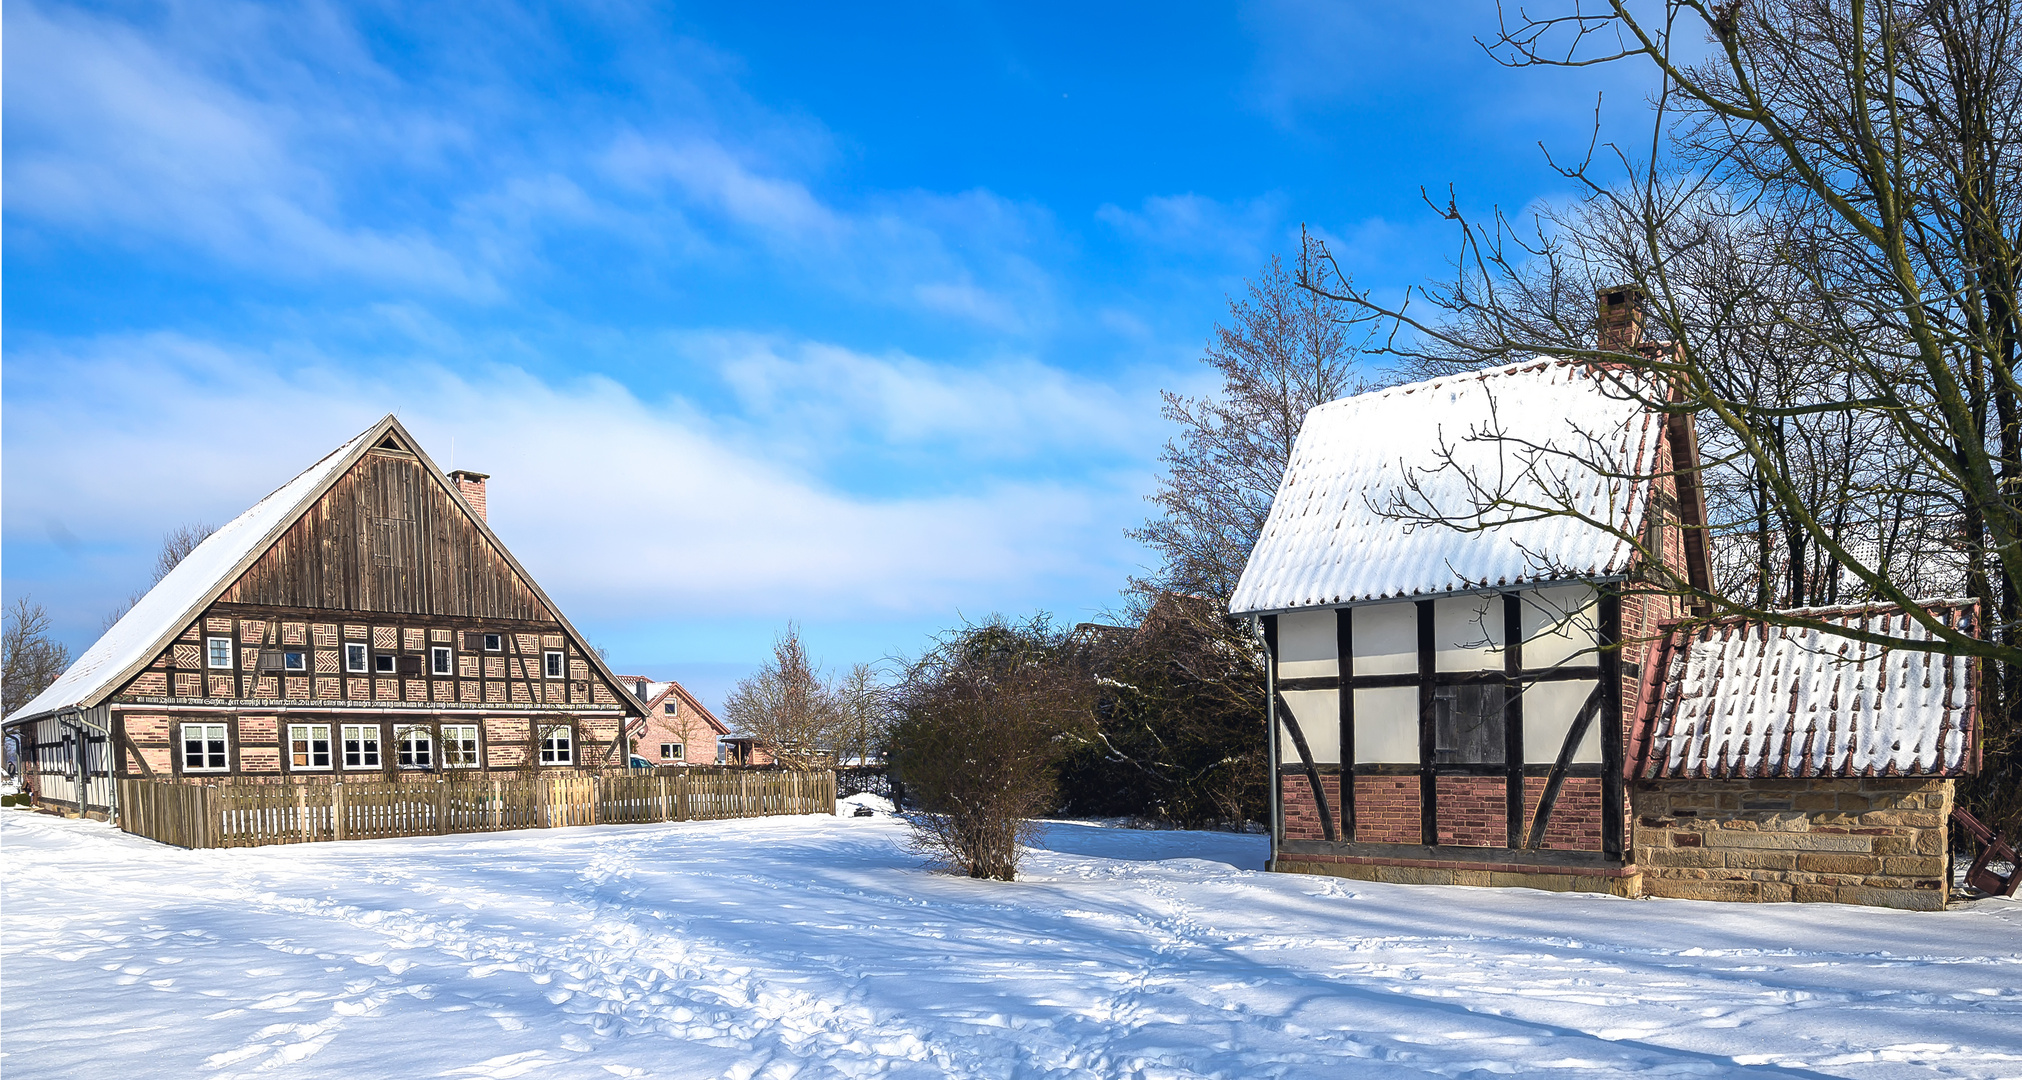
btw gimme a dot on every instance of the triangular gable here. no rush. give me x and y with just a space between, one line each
224 558
1330 539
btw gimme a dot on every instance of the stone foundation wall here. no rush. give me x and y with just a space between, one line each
1877 841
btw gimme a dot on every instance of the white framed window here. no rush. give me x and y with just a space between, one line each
361 746
308 746
459 746
670 751
295 660
357 656
558 745
673 707
494 643
414 748
553 664
382 663
442 660
205 748
218 652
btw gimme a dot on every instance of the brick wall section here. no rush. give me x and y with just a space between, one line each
1386 810
1473 811
1877 841
1576 814
1302 815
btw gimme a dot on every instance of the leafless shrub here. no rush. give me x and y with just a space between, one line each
986 716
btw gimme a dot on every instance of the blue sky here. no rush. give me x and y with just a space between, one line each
754 313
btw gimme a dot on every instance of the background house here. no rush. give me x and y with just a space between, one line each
677 728
361 621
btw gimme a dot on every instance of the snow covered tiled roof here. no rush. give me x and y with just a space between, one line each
1742 698
1542 433
168 607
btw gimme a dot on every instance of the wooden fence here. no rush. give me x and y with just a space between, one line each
237 814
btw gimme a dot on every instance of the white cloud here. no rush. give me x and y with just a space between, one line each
1240 231
109 133
626 509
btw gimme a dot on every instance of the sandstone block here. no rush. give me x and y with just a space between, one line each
1762 860
1836 863
1790 841
1812 894
1910 899
1685 857
1919 866
1745 891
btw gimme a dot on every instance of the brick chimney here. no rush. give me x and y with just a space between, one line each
471 484
1621 318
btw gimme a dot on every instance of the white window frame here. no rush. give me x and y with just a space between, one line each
207 734
211 647
407 740
673 751
558 745
367 733
441 660
391 662
494 643
295 660
361 653
554 664
306 734
460 735
673 707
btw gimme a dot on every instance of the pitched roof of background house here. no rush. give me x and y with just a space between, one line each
211 568
1739 697
1541 432
657 692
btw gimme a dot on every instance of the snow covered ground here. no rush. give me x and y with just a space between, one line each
817 946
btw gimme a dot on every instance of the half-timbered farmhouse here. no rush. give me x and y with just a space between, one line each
361 622
1469 689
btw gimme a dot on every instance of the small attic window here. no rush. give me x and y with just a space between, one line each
390 443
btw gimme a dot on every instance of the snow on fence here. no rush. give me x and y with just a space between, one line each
230 814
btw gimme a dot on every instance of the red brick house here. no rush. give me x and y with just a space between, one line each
363 621
677 728
1463 683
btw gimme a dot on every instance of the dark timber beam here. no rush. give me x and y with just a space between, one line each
1612 792
1513 717
1428 782
1344 671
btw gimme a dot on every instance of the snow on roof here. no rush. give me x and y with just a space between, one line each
177 598
1741 698
1542 433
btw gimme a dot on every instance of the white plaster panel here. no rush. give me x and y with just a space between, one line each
1467 633
1386 725
1386 639
1560 626
1306 648
1319 716
1549 709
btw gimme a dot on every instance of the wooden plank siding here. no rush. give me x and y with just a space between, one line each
236 814
386 538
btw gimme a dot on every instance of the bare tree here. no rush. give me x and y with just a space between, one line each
1283 350
863 716
176 545
30 657
788 707
1832 193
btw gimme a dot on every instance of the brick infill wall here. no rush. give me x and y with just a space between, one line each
1878 841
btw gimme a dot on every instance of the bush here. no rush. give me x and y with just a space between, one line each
1180 730
986 716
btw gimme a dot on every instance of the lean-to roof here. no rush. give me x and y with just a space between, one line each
1738 698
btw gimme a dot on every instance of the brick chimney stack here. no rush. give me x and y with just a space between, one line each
471 484
1621 318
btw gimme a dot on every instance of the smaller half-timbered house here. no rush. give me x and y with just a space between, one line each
361 622
1481 672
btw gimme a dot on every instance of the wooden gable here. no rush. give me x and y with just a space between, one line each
389 537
